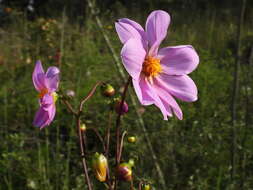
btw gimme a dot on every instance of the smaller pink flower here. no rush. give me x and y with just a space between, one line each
46 84
158 75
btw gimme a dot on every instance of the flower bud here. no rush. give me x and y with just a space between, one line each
124 172
118 108
70 93
107 90
131 139
83 127
146 187
100 165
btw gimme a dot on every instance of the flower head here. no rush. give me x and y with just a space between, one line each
46 84
158 75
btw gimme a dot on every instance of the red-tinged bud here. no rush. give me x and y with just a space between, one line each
146 187
124 172
131 139
100 165
107 90
83 127
118 108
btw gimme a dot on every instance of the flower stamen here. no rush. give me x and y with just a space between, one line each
151 67
42 93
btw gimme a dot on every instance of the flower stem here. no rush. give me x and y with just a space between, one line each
82 135
81 143
118 122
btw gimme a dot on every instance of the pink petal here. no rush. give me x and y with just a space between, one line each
134 24
181 86
52 76
133 56
156 28
41 118
147 95
126 31
178 60
143 91
44 117
169 102
51 113
46 101
39 77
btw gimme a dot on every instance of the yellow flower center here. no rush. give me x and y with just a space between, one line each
151 66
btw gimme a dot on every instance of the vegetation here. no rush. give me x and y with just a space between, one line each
194 153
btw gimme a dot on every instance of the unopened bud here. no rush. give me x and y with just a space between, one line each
107 90
121 110
70 93
124 172
131 139
83 127
146 187
100 165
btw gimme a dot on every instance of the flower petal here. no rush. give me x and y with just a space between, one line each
44 117
147 95
156 28
126 30
143 91
51 113
181 86
39 77
41 118
169 102
133 56
46 101
52 76
178 60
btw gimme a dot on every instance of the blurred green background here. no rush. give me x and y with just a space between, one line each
194 153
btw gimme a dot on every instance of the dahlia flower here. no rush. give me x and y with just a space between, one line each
46 84
158 75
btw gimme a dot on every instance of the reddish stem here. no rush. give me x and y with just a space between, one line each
118 121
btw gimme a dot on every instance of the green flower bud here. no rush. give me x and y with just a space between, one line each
107 90
131 139
146 187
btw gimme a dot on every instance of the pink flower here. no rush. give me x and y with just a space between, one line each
46 84
157 75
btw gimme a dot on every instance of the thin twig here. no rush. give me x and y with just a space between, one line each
140 185
118 121
118 128
108 133
70 108
81 143
90 94
121 144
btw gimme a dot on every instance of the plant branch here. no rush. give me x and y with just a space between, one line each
118 121
90 94
121 144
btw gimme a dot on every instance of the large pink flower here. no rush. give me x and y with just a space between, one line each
46 84
157 75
